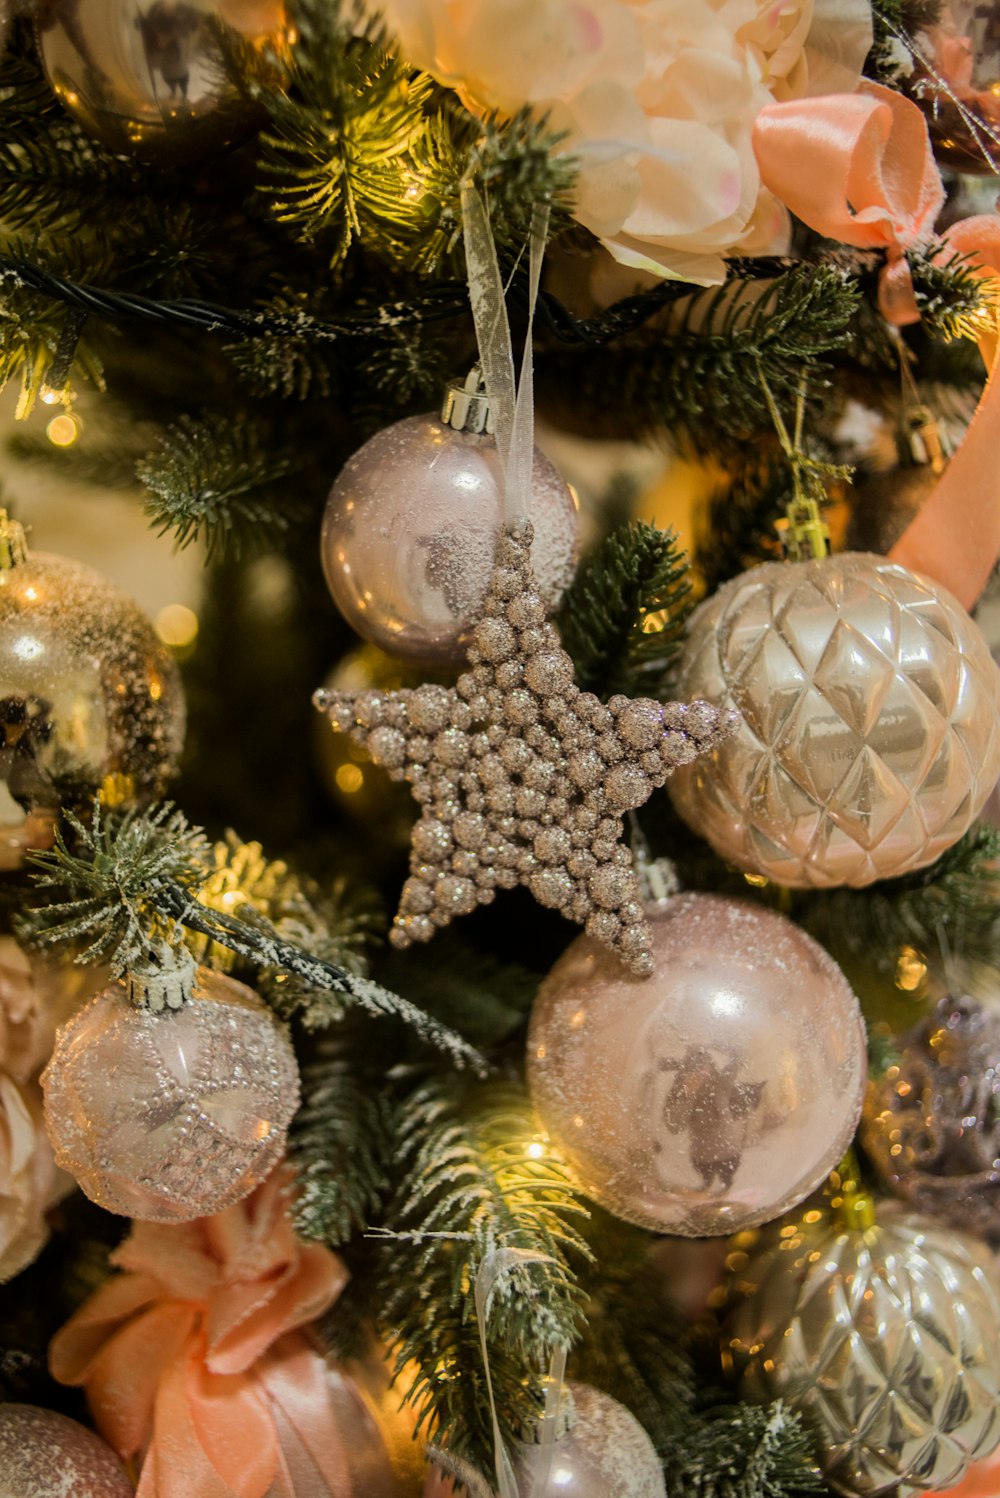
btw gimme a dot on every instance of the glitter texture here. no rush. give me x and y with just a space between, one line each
718 1093
45 1455
870 721
523 778
887 1341
409 534
170 1116
605 1451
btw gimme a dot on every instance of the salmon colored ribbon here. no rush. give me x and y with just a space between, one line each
859 168
185 1355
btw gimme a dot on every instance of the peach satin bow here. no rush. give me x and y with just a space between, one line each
184 1355
859 169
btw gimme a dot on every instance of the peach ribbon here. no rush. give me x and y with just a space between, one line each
184 1355
859 168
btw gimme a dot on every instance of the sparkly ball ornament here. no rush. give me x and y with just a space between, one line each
717 1093
45 1455
870 721
150 80
886 1337
168 1097
931 1124
89 699
956 82
410 531
523 778
604 1450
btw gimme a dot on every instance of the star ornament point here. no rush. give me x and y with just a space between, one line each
522 778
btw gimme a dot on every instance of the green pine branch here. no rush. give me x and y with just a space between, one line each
623 618
952 299
222 482
478 1180
741 1451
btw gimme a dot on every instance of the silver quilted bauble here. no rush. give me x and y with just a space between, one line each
887 1340
870 734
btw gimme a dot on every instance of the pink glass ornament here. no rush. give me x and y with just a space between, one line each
870 733
409 537
713 1095
171 1116
604 1451
45 1455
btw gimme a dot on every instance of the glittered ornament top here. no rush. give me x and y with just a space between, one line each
523 778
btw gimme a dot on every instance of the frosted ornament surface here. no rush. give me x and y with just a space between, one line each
870 732
713 1095
409 537
171 1116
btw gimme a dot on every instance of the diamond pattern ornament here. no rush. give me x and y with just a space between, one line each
522 778
886 1339
869 737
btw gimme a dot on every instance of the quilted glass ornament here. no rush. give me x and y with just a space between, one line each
887 1339
870 733
714 1094
931 1124
172 1115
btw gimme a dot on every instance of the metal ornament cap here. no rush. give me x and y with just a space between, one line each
887 1341
869 734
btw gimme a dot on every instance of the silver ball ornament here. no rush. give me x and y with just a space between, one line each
89 699
167 1116
604 1450
886 1339
46 1455
870 732
149 79
410 534
713 1095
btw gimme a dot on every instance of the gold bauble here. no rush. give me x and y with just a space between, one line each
149 78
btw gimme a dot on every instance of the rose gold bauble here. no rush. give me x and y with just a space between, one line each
45 1455
409 537
150 79
174 1115
870 733
89 699
713 1095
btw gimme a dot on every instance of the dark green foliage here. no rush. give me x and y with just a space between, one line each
623 618
486 996
470 1188
738 1451
737 528
950 296
697 373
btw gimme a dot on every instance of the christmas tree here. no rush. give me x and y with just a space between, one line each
499 991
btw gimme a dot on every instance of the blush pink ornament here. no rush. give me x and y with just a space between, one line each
45 1455
409 536
172 1114
713 1095
195 1360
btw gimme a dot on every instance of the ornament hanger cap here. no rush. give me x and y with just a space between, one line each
466 407
13 544
164 981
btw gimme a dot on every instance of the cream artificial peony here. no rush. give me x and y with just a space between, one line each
657 98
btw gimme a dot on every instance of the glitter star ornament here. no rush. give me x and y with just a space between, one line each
523 778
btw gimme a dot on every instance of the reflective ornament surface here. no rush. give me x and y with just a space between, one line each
931 1124
89 699
717 1093
605 1451
150 79
887 1340
523 778
410 531
46 1455
170 1116
958 84
870 732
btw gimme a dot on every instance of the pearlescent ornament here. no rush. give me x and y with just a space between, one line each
605 1451
409 536
523 778
931 1124
887 1339
715 1095
173 1115
149 78
870 721
89 698
45 1455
